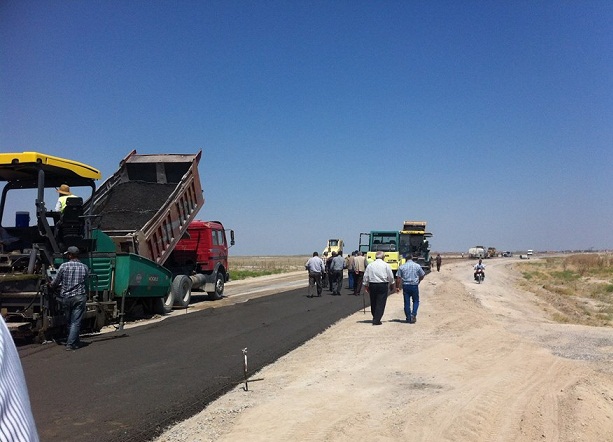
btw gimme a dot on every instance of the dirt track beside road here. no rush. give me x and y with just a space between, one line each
483 363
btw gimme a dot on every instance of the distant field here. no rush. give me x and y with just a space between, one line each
242 267
579 288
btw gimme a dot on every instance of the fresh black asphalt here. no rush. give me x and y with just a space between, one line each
130 385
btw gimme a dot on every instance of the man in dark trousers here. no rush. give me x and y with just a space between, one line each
316 268
325 279
439 261
378 281
336 273
359 267
71 277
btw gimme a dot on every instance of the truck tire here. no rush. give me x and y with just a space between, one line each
181 290
161 306
219 286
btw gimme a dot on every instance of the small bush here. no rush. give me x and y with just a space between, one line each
566 275
244 274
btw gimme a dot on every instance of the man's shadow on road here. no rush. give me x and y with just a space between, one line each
369 321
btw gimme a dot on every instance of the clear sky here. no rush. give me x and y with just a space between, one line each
492 121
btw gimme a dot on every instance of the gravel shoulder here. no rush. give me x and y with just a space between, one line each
482 363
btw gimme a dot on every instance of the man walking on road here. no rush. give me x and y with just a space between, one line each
325 280
336 273
439 261
410 275
315 267
359 267
378 281
71 276
349 267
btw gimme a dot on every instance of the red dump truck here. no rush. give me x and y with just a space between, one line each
148 206
200 261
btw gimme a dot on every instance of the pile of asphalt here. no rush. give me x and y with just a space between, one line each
130 205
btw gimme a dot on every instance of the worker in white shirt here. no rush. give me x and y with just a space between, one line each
378 281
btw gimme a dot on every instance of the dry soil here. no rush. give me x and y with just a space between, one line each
482 363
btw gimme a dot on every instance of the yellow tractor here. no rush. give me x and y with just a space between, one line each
334 245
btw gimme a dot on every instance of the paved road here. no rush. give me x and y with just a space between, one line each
129 385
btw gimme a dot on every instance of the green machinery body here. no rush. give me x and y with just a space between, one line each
114 275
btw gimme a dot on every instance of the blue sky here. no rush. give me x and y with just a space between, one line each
492 121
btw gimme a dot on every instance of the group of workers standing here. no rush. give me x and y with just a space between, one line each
376 277
327 272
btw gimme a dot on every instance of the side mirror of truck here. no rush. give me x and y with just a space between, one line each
231 238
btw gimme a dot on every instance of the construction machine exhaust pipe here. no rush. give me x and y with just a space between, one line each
198 280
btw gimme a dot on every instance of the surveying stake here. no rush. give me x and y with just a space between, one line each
245 368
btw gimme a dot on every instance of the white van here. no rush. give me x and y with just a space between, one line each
529 253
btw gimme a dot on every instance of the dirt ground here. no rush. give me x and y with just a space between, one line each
482 363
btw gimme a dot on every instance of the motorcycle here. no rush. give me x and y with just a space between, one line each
479 275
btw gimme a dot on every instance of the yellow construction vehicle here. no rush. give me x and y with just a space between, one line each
333 245
397 245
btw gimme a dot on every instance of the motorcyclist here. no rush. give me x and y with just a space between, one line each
479 266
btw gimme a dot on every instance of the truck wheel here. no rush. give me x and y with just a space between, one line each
219 285
157 306
163 306
181 290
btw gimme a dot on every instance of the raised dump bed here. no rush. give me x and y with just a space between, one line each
148 203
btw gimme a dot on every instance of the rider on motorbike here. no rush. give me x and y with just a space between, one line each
479 267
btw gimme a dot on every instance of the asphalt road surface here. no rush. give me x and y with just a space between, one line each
128 385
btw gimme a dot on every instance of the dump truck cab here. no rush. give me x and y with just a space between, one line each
202 257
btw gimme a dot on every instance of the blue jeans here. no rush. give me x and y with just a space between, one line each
337 278
74 308
351 278
410 292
